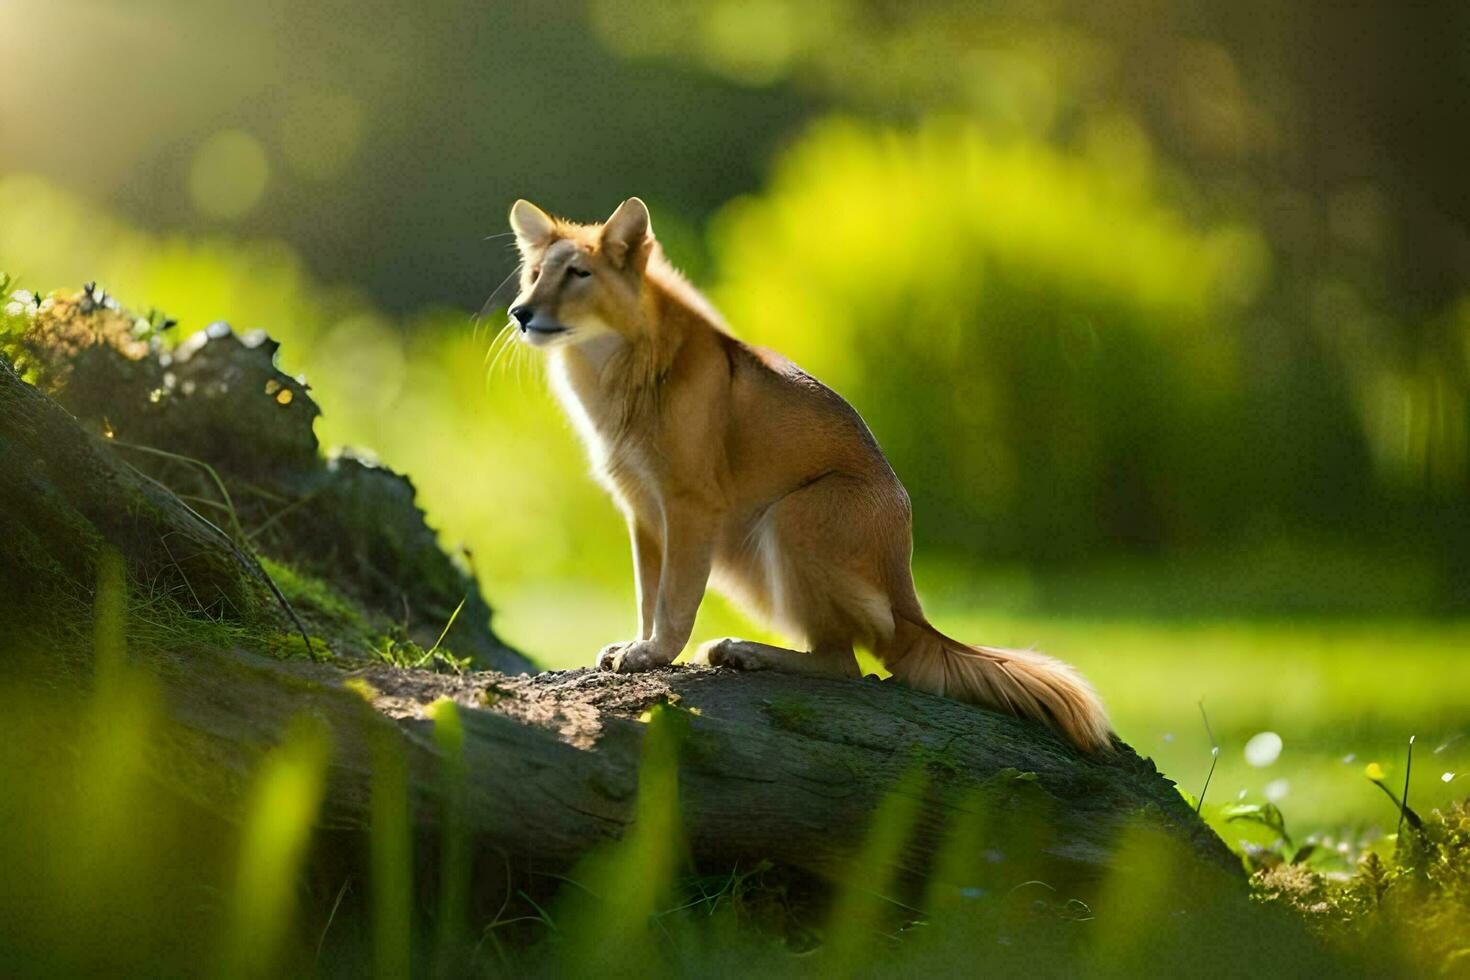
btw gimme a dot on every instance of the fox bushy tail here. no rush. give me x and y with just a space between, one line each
1021 682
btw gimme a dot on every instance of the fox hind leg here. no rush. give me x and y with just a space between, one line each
826 660
815 565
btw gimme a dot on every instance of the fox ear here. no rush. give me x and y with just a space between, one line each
533 227
625 234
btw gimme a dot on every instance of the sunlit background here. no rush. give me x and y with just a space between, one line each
1160 308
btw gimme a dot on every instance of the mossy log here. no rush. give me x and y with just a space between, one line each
771 767
64 497
216 419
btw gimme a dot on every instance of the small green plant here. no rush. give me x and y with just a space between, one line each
158 321
1376 774
1283 850
1410 912
13 308
458 665
396 649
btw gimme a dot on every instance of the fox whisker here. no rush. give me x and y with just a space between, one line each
494 300
504 340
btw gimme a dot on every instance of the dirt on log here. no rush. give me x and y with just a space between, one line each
771 767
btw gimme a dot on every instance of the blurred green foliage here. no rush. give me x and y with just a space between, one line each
1143 285
1038 342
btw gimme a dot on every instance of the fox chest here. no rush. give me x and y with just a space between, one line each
624 465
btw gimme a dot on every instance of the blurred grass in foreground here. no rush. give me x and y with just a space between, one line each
111 871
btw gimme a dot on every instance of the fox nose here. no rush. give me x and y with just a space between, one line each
522 314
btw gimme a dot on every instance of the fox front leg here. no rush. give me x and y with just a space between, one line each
689 538
647 565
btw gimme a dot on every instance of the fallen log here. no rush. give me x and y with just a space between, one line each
771 767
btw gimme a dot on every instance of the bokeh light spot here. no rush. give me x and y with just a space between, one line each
1263 749
228 174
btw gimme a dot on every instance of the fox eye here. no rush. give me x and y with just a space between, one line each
579 273
536 273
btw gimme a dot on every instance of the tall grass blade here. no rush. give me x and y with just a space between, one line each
857 914
1404 800
390 884
429 655
454 866
606 911
1214 757
278 821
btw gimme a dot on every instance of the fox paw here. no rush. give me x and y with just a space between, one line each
730 652
631 656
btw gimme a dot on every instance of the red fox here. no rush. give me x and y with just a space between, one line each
730 463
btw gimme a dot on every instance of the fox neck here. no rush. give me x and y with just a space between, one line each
609 384
605 384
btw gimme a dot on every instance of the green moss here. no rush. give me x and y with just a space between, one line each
293 646
1010 775
792 714
343 627
938 760
322 607
310 592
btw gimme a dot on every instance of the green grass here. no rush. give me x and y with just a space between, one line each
1340 694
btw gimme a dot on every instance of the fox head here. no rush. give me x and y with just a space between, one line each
580 282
